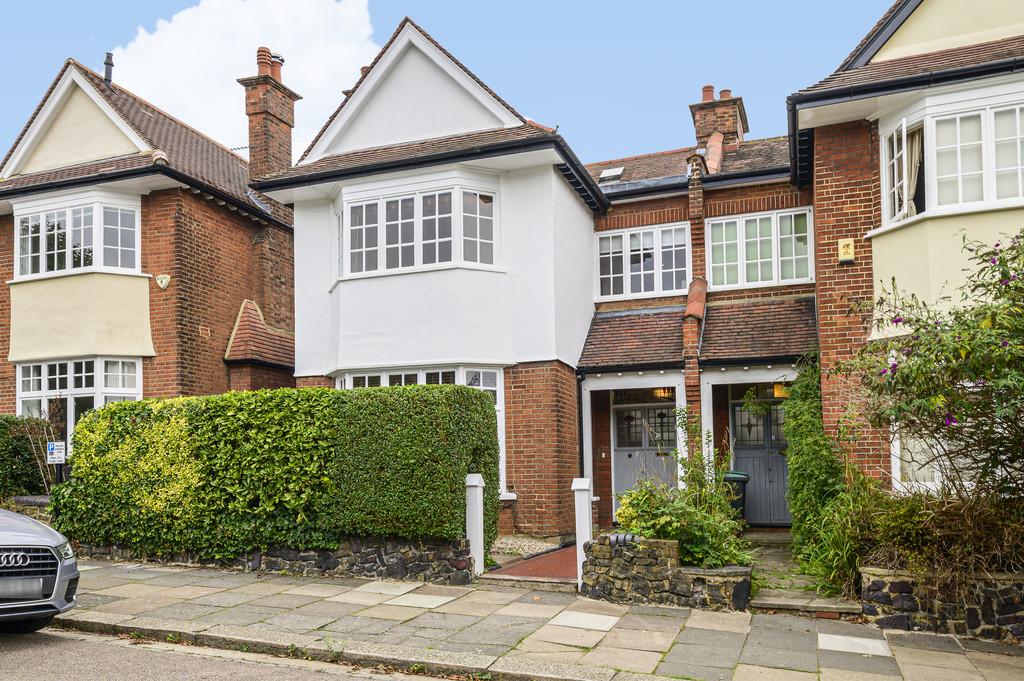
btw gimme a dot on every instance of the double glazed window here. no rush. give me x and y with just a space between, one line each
945 162
426 229
69 239
758 250
488 380
643 262
63 390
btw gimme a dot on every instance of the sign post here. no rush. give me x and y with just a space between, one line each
56 455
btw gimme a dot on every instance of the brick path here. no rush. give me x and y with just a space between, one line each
509 632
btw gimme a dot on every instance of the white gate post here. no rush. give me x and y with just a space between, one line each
584 493
475 520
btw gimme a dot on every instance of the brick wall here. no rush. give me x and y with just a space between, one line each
600 410
7 377
314 382
254 376
541 446
216 259
847 204
718 115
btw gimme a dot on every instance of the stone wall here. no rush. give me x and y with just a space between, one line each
648 571
434 561
992 608
36 507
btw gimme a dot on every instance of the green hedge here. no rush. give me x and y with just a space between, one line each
19 472
815 472
225 474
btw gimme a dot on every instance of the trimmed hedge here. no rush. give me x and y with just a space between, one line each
19 472
219 476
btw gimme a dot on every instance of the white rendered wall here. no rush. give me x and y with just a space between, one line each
574 270
315 320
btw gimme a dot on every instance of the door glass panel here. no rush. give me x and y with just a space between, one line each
778 417
662 433
629 429
749 429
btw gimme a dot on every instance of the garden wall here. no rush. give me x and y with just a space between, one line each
437 561
648 571
992 608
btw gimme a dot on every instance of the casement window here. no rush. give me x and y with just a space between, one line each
63 390
958 159
366 381
643 262
436 228
765 249
1009 152
478 227
446 377
66 239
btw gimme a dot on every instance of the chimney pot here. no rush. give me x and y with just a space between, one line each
263 60
108 68
725 94
707 93
276 62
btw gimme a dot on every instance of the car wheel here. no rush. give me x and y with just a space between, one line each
24 626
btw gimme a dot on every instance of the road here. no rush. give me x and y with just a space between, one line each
73 656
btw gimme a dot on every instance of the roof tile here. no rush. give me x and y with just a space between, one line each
634 338
762 329
254 341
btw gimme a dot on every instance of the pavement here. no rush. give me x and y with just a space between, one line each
510 633
75 656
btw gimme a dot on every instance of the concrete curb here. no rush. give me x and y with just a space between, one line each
325 649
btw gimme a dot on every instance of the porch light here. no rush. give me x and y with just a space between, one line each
663 393
780 390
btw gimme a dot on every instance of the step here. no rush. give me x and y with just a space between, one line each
807 603
532 583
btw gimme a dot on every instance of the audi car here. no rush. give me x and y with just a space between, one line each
38 574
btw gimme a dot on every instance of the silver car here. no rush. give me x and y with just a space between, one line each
38 574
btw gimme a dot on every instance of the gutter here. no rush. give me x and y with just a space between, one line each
178 176
807 100
598 201
580 371
742 177
638 188
750 361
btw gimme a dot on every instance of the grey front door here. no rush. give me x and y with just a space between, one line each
759 450
644 442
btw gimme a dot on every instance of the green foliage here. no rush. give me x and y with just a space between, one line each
698 514
815 474
19 472
222 475
952 375
842 533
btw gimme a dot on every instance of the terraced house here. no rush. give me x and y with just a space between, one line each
137 261
441 237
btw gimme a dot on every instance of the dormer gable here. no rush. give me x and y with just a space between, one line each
413 90
73 125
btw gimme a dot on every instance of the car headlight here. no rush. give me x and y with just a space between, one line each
65 551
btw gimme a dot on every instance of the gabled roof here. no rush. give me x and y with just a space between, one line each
767 329
765 154
883 29
635 338
187 154
365 74
253 340
670 163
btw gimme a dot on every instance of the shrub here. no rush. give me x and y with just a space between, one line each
815 474
698 514
19 470
222 475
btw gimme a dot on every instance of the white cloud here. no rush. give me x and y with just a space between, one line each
188 64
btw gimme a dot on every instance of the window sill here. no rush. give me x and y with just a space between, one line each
774 284
965 209
419 270
508 496
640 296
75 273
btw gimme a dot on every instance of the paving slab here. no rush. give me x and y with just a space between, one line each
782 622
572 656
391 588
283 601
640 661
360 597
782 658
159 628
137 606
639 639
584 620
132 590
253 639
829 674
492 595
442 590
782 639
463 647
840 628
398 613
692 670
874 664
464 606
853 644
418 600
532 644
529 610
183 611
498 629
327 609
992 647
242 615
996 667
445 621
746 672
597 607
226 599
432 660
931 658
541 670
296 622
719 621
319 590
187 592
265 588
354 623
567 636
913 639
633 620
549 598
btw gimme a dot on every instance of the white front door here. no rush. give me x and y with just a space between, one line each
644 443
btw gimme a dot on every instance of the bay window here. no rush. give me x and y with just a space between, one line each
1009 152
64 239
643 262
427 229
958 159
765 249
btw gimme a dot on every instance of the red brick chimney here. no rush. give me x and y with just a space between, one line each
270 107
725 115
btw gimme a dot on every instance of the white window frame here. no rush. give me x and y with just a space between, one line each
658 290
68 203
896 468
381 192
776 279
101 395
927 110
346 379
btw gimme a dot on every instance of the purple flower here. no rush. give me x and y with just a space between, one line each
998 244
1006 343
883 372
994 261
1005 282
893 367
950 419
897 320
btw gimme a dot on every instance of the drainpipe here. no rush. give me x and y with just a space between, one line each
580 377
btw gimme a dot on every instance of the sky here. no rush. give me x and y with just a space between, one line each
616 78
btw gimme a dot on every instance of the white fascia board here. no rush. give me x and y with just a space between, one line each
379 72
39 126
